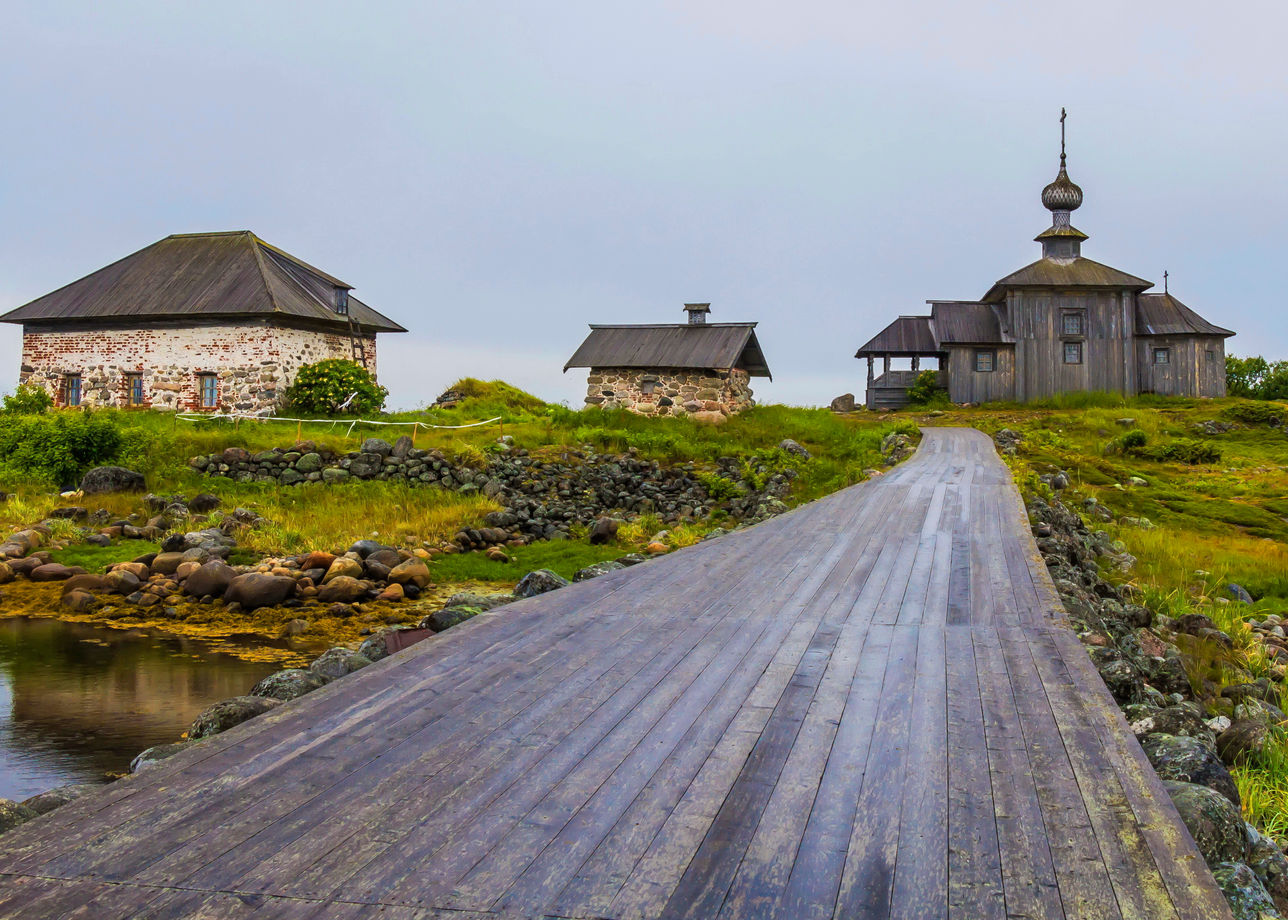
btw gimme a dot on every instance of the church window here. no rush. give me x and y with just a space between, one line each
1073 322
1162 356
134 389
985 361
208 391
1072 352
71 389
1211 356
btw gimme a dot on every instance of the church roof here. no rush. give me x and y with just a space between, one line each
1063 273
207 276
967 323
905 337
1163 314
689 345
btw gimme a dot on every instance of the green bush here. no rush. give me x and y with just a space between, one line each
1268 414
335 386
926 390
1256 378
28 399
1130 442
1181 450
58 448
718 487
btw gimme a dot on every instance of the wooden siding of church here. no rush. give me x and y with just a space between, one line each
1188 372
1107 362
967 385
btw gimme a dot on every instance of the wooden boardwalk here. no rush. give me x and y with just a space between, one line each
866 708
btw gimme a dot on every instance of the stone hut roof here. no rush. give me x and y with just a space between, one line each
204 276
695 346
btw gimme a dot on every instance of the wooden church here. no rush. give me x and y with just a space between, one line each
1063 323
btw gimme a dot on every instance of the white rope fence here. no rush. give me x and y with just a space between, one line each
236 417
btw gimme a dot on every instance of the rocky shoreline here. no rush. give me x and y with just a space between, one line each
1191 739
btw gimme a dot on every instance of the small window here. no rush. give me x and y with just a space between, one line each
1211 356
341 301
208 391
134 389
71 389
1073 323
985 361
1072 352
1162 356
647 387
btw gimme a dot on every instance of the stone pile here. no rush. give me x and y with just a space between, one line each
1190 739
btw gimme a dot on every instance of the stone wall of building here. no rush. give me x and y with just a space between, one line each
708 394
252 363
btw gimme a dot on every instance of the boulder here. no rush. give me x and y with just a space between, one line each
343 567
1213 821
336 663
77 601
1239 593
46 802
6 573
227 713
288 684
316 560
1184 719
204 502
1245 739
481 601
843 403
365 548
597 569
308 463
121 581
366 465
402 447
12 814
448 617
155 754
211 579
342 589
53 571
1247 897
788 446
89 583
377 446
604 530
254 590
411 572
166 563
1189 761
112 479
539 582
1270 865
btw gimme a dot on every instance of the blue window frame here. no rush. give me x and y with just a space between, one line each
134 393
208 391
72 390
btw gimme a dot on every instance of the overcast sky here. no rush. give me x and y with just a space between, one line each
495 176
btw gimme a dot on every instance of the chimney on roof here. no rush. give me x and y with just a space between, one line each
697 313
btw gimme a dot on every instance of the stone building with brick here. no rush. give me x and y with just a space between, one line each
696 368
199 322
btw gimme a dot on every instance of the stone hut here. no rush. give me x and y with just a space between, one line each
696 368
1061 324
199 322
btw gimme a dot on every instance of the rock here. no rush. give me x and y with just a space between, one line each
481 601
788 446
1190 761
631 559
1213 821
1008 441
376 647
377 446
392 594
843 403
1185 720
604 531
316 560
46 802
343 567
121 580
12 814
155 754
210 580
112 479
411 572
89 583
365 548
254 590
1239 593
402 447
657 549
308 463
336 663
1247 897
539 582
342 589
366 465
77 601
296 627
594 571
1270 865
288 684
448 617
227 713
1244 740
166 563
204 502
334 474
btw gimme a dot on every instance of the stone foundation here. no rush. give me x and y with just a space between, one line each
253 363
709 394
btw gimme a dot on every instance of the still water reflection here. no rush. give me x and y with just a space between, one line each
78 701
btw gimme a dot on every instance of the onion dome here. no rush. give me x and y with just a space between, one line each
1062 194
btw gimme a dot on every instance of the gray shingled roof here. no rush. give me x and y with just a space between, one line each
1163 314
967 323
203 275
1078 272
906 337
706 345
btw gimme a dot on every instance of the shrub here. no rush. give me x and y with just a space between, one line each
718 487
1130 442
333 387
925 390
1256 378
1184 451
1268 414
58 448
28 399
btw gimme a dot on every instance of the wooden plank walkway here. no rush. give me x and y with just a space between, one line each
867 708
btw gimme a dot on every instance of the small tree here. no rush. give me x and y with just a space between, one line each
925 390
28 399
335 386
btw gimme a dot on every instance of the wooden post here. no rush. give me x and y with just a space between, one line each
415 427
916 364
299 431
870 377
885 366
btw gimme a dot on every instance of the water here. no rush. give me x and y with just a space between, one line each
78 702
